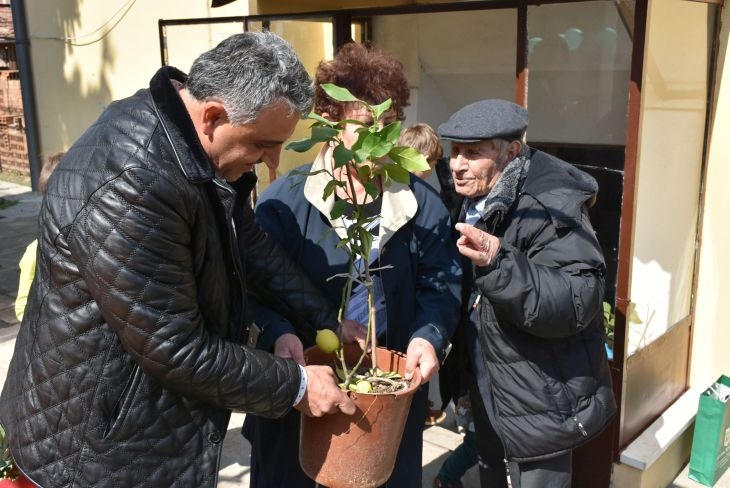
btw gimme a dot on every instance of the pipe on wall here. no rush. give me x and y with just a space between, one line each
27 89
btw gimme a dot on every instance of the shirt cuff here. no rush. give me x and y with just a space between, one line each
302 385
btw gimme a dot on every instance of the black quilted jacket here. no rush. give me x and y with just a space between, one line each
130 354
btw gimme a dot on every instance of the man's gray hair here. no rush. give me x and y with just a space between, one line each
248 72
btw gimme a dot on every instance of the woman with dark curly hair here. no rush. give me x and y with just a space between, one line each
418 282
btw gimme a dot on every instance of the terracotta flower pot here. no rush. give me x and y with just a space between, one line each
20 482
358 451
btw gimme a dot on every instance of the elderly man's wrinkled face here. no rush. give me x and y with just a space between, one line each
477 166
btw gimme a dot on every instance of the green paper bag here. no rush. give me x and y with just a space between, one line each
710 455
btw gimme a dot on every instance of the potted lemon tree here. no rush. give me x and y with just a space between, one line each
373 376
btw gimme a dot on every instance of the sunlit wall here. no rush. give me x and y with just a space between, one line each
670 157
84 57
710 355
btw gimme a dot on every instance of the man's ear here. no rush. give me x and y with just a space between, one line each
513 149
213 115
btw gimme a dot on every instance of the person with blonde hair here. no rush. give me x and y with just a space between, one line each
423 138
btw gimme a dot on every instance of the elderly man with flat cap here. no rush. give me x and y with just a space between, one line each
533 325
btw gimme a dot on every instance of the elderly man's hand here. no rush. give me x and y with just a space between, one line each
479 246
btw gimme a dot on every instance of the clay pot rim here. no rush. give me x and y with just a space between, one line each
415 380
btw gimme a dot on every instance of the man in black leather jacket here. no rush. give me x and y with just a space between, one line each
131 352
534 318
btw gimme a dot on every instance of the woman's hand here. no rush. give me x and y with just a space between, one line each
421 354
351 331
289 346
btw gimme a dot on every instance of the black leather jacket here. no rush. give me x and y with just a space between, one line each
130 355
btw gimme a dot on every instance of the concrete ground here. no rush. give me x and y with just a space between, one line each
18 227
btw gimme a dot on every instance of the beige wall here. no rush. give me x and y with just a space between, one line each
85 56
711 337
313 41
670 159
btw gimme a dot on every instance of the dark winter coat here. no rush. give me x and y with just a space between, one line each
536 334
130 353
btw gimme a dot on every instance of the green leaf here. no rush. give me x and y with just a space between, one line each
371 146
319 133
396 173
364 173
338 93
371 189
301 172
343 244
363 125
608 316
408 158
379 110
342 155
338 209
329 189
301 145
322 120
323 134
391 132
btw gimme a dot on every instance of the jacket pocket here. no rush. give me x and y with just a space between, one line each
124 404
558 396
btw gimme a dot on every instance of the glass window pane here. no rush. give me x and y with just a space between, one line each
579 62
451 58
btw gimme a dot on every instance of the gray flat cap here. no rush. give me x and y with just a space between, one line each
485 119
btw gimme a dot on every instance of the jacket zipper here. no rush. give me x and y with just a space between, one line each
490 406
230 229
579 425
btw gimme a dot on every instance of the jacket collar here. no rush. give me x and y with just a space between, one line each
494 206
560 187
399 203
178 126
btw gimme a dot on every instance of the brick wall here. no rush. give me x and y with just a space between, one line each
13 147
6 22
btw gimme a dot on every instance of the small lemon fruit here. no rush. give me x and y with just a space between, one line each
363 386
327 340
